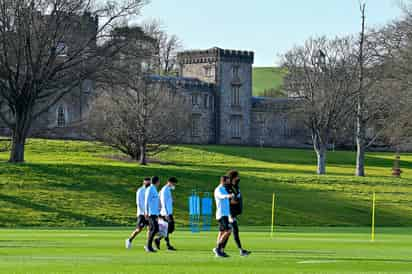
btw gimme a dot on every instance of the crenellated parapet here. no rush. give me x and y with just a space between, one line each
187 83
215 55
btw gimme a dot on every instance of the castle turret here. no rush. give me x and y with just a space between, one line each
231 72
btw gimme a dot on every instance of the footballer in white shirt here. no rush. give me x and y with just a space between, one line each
141 219
166 211
222 199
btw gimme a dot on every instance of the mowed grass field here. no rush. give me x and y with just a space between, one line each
291 250
267 78
80 184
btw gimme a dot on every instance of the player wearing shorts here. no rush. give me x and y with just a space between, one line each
166 211
141 220
222 215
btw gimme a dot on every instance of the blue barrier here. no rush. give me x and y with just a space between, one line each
200 209
194 212
207 211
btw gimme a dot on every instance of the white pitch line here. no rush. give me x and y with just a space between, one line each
318 262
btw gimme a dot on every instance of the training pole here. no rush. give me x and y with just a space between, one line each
373 217
272 228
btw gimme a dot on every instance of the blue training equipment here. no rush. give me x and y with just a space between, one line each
207 211
194 212
200 209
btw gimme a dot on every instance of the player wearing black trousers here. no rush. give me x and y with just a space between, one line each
236 208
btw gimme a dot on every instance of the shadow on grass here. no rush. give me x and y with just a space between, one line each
117 184
296 156
89 220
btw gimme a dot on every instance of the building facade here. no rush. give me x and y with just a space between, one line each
228 113
218 85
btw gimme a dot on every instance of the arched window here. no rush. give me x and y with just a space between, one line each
61 49
61 116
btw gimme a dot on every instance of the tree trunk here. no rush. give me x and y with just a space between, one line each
320 150
360 160
321 156
143 160
360 146
17 148
20 132
360 110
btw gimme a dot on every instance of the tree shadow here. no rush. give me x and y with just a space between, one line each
117 184
295 156
89 220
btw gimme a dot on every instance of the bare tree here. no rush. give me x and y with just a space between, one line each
384 59
168 45
45 51
392 45
140 119
137 112
320 75
361 120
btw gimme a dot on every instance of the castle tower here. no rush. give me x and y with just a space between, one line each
231 73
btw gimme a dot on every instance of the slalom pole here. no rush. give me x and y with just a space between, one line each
373 217
272 228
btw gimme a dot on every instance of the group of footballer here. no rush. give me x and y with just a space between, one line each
154 207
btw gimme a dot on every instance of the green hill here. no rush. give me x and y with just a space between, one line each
265 78
75 184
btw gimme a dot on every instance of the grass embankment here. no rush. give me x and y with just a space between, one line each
75 184
265 78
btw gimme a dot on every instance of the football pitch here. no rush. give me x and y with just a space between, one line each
291 250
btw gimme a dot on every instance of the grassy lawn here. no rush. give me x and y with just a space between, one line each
76 184
266 78
308 250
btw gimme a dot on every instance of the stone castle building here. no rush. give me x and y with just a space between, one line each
218 84
224 110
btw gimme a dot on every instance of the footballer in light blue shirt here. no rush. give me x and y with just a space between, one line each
152 211
141 219
166 211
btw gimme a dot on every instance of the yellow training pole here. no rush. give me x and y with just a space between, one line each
373 217
273 216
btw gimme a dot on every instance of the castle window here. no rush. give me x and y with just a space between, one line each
206 101
61 117
285 128
195 100
235 96
235 71
61 49
195 125
208 72
87 86
236 126
211 103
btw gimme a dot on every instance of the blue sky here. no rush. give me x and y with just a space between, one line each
268 27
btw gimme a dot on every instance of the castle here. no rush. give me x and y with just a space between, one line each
224 110
218 83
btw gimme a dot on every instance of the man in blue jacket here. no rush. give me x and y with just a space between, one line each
152 211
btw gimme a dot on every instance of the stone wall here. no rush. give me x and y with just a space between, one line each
217 66
230 111
201 99
74 109
273 126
